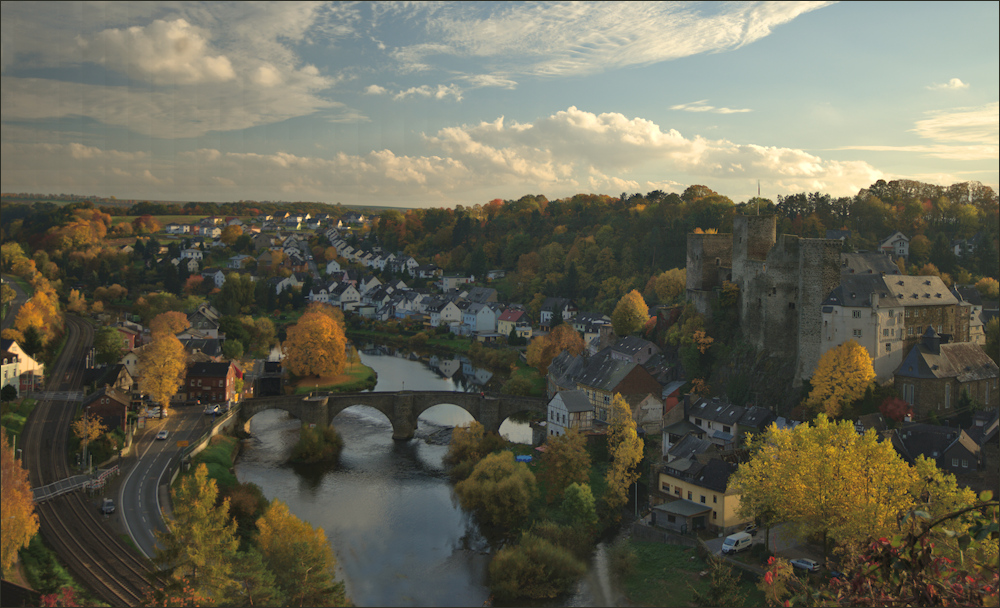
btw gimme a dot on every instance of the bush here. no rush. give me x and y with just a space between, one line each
534 568
623 559
576 540
317 444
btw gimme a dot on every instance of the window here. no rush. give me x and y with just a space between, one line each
671 518
954 462
665 487
725 429
715 515
965 463
947 396
856 314
908 393
909 331
689 495
857 333
885 333
892 313
702 499
715 499
888 347
697 421
677 490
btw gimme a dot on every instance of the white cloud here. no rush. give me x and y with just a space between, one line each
164 51
954 83
581 38
374 89
968 125
439 92
702 106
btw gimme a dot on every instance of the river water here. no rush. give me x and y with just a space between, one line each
388 508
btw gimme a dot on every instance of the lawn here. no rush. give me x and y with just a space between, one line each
668 575
15 414
355 378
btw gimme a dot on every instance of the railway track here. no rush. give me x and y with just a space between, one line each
113 571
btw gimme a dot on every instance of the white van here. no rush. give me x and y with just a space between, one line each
735 543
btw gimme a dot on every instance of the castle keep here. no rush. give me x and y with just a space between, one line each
783 281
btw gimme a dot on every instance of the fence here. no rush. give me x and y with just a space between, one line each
658 535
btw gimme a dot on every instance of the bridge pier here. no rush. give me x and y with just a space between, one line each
403 419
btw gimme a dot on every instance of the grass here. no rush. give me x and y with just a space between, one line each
667 575
531 375
47 575
15 413
355 378
218 457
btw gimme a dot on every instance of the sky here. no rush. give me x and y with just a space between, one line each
439 104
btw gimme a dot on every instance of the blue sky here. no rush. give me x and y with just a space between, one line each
444 104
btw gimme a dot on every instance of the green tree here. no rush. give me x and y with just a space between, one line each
201 543
565 461
625 448
630 315
723 586
499 491
578 508
256 584
534 568
302 557
109 344
842 376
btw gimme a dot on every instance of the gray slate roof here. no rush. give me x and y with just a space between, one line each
964 361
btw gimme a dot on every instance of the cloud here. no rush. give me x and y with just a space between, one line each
978 125
702 106
954 84
171 51
439 92
374 89
566 39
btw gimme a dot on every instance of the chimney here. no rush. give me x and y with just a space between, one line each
931 341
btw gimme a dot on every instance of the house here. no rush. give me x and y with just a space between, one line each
425 271
648 414
205 319
443 312
840 235
513 319
479 318
634 349
345 296
970 299
191 253
554 309
482 295
867 262
935 374
695 494
237 262
9 369
211 382
332 266
175 228
447 283
115 376
603 377
570 410
25 363
492 275
110 405
927 302
863 309
896 244
952 449
984 427
718 418
214 276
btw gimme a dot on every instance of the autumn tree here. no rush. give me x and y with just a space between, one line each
20 522
895 408
499 491
989 288
826 480
565 461
315 346
669 286
842 376
202 539
302 557
544 349
171 322
533 568
88 428
7 294
625 449
162 366
230 234
77 303
630 314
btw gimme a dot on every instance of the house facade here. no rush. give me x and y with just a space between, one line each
569 410
211 382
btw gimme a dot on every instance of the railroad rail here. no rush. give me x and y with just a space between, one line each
70 524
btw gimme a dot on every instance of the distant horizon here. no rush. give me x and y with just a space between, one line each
442 104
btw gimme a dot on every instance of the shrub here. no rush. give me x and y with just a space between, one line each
534 568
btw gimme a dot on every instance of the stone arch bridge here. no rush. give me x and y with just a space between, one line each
401 408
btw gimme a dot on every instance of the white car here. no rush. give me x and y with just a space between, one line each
805 564
162 434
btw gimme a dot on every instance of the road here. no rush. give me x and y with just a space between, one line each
139 496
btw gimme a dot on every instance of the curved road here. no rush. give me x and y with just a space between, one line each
19 299
139 497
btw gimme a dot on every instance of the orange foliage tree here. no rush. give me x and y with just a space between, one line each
162 365
172 322
543 350
316 345
20 522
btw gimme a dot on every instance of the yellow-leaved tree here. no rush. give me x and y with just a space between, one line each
170 322
162 366
543 350
20 522
842 376
825 480
625 450
630 315
316 345
499 490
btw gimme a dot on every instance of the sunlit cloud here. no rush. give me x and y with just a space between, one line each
953 84
702 106
428 92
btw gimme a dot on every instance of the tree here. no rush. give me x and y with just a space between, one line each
230 234
565 461
625 448
171 322
77 302
302 557
670 286
88 428
842 376
256 584
895 408
202 540
108 344
7 294
988 288
499 491
826 480
534 568
543 350
578 507
316 346
162 366
723 586
20 522
630 315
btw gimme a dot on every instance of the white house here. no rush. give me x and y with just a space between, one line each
569 410
862 308
191 254
898 244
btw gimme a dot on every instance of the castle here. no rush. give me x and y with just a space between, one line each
783 281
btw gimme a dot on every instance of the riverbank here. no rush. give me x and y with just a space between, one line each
357 377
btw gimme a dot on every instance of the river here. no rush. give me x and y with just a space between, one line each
387 509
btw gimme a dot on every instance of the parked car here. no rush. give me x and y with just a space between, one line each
108 506
751 529
162 434
212 409
735 543
805 564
